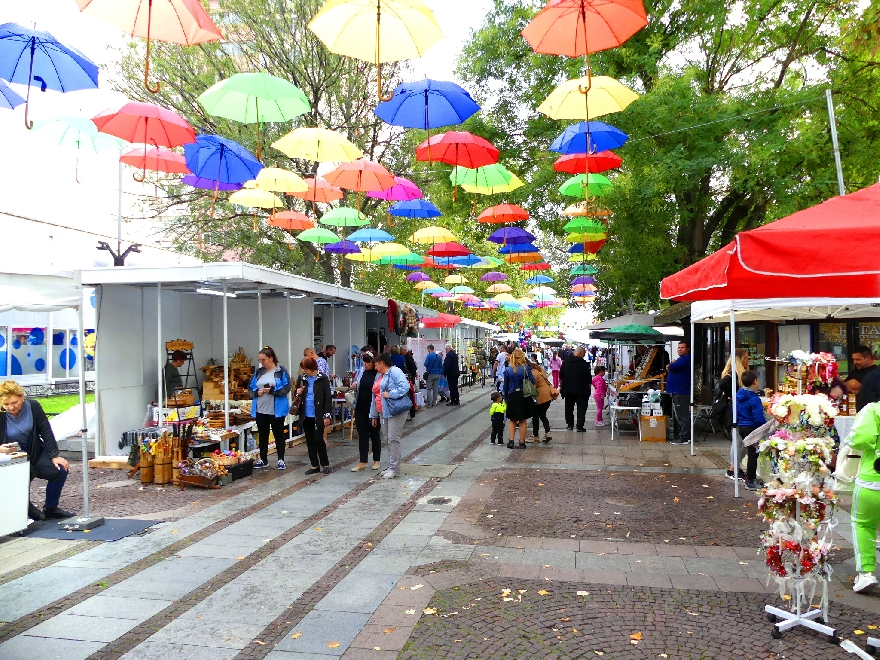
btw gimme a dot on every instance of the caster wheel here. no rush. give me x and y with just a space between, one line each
834 639
771 618
775 634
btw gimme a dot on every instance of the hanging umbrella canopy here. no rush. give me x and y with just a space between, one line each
503 213
416 208
427 104
517 248
585 269
463 261
511 236
454 279
9 100
499 288
606 96
583 279
540 265
342 216
585 225
582 288
449 249
440 321
577 186
582 163
252 98
575 28
629 332
182 22
486 180
442 263
590 247
539 279
146 123
403 190
291 221
493 276
461 289
377 32
586 237
209 184
467 297
458 148
441 294
318 235
432 235
485 262
426 284
276 179
155 159
361 176
319 191
254 197
221 160
370 235
318 144
503 297
542 291
418 277
409 260
523 258
342 247
78 132
588 137
584 210
391 250
32 55
582 257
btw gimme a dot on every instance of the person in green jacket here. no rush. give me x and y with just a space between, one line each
865 436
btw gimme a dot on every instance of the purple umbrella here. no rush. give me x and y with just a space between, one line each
511 236
417 277
209 184
403 191
583 279
342 247
493 276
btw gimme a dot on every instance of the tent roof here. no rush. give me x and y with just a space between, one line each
784 309
39 293
626 319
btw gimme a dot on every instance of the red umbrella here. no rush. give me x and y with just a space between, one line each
441 321
291 221
155 159
177 21
503 213
458 148
582 163
541 265
451 249
430 263
577 27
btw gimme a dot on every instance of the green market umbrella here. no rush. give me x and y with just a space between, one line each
255 98
344 216
486 180
629 332
318 235
578 186
585 269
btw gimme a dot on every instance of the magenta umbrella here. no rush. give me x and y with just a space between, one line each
418 277
402 191
493 276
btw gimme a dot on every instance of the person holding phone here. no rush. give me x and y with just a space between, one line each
314 410
270 387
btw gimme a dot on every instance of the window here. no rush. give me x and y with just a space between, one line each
832 339
28 348
868 333
752 338
4 350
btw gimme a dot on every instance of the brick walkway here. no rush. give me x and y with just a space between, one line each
608 549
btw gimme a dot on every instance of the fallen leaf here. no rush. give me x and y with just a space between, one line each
484 554
704 486
174 531
543 592
786 597
675 499
634 642
568 618
318 529
636 636
284 512
858 632
583 593
430 610
663 655
744 563
505 591
540 484
872 627
710 497
239 558
388 631
574 630
260 643
332 645
692 613
417 586
521 591
296 635
410 612
507 599
377 648
600 554
598 652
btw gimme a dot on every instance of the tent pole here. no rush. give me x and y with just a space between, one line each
82 402
260 316
832 120
160 363
289 363
693 453
226 355
348 350
733 389
332 337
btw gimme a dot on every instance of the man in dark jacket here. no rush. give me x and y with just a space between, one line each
678 384
451 371
574 385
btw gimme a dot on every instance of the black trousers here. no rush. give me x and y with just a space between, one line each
582 401
264 422
315 442
498 428
368 435
453 388
751 453
541 416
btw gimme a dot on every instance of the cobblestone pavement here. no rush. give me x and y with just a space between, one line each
608 549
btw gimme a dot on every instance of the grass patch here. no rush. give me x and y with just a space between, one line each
55 405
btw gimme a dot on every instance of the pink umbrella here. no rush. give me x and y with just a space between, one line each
444 294
467 297
403 191
493 276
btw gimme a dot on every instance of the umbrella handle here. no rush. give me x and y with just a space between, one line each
141 178
379 59
29 124
151 90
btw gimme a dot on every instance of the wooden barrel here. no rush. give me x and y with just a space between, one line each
146 468
162 472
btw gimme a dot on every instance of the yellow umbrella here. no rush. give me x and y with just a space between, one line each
577 258
586 237
318 144
275 179
433 235
366 255
583 210
377 31
427 284
454 279
504 297
499 288
256 198
586 98
390 250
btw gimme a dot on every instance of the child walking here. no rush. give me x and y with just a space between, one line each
497 413
600 390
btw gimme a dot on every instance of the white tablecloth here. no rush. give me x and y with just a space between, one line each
843 424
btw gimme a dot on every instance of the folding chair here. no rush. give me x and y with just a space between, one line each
710 423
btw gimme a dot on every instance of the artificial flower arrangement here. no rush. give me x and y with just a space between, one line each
814 369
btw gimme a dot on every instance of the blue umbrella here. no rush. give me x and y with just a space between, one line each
588 138
8 98
370 235
405 267
216 158
415 208
28 56
511 236
209 184
539 279
342 247
427 104
438 289
463 262
520 247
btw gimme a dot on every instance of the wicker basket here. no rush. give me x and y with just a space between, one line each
226 460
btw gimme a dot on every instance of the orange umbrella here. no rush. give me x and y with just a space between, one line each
581 288
319 191
291 221
182 22
523 257
155 159
362 176
503 213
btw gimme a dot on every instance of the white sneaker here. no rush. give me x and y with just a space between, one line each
864 583
600 423
388 474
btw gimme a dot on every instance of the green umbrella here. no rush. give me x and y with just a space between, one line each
585 225
255 98
585 269
629 332
344 216
411 259
487 263
487 180
318 235
461 289
575 187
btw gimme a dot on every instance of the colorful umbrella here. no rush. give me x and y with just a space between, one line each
343 216
583 279
541 265
487 262
581 257
155 159
318 235
503 213
486 180
76 131
409 260
256 198
449 249
403 190
580 288
239 98
342 247
458 148
575 28
291 221
463 261
542 291
583 184
209 184
461 289
590 247
435 290
427 104
604 96
466 297
417 208
586 236
361 176
425 284
370 235
28 55
318 144
503 297
182 22
588 137
276 179
582 163
8 98
518 248
493 276
539 279
584 210
585 225
418 277
378 31
391 250
454 279
403 266
319 191
499 288
443 263
218 159
523 257
511 236
432 235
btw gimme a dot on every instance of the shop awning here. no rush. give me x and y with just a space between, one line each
823 251
38 293
784 309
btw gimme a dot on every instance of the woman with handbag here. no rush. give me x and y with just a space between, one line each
368 434
518 388
391 402
314 407
546 395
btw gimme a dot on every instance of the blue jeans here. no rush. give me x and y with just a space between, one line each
54 484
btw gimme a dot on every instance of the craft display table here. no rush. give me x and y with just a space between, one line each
14 484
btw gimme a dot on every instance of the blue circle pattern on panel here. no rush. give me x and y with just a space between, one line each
16 367
67 359
40 365
58 338
38 336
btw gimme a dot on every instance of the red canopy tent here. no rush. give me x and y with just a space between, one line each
824 251
441 321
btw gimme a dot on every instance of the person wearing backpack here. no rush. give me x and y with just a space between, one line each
518 396
433 370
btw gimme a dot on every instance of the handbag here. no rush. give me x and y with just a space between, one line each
298 398
528 388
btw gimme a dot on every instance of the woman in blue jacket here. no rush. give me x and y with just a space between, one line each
391 402
270 387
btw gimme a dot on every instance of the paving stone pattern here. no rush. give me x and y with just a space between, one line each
694 509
